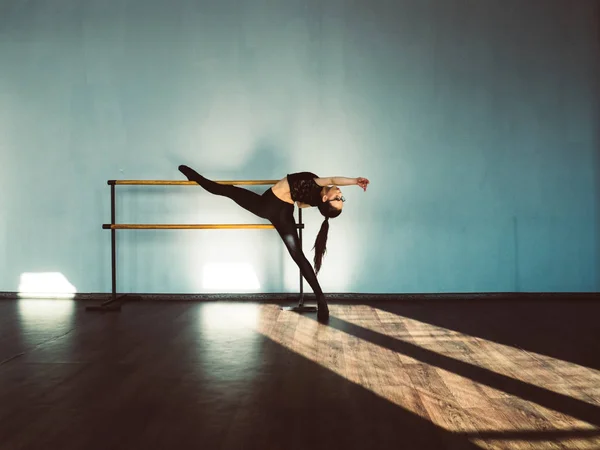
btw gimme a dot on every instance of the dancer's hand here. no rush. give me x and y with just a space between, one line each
362 182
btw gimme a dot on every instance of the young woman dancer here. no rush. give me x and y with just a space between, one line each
277 205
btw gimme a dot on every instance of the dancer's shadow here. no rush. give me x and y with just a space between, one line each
544 327
268 159
540 395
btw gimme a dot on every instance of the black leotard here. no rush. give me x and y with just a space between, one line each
303 188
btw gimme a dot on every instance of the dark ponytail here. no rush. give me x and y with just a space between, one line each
321 244
321 241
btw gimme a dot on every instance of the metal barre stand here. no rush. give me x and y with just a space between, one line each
115 302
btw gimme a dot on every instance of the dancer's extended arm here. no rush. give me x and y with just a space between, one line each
342 181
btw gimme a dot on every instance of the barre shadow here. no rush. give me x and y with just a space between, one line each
544 397
565 329
546 435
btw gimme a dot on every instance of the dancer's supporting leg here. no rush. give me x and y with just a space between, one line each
248 200
286 227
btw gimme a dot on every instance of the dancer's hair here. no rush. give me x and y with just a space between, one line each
329 212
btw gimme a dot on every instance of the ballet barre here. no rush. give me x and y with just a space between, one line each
207 226
188 183
114 303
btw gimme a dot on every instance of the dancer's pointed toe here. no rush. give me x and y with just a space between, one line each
189 173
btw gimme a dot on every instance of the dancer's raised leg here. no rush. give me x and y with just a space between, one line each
248 200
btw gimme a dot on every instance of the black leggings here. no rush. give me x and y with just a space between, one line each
267 206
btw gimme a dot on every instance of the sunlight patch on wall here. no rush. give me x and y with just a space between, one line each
229 277
226 261
45 285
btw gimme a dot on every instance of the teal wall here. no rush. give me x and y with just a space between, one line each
476 122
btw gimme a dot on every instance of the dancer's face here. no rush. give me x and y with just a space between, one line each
333 195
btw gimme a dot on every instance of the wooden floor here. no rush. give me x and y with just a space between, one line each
165 375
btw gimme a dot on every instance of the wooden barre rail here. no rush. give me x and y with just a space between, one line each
188 183
208 226
111 305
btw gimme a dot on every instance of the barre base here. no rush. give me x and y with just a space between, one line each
300 308
114 304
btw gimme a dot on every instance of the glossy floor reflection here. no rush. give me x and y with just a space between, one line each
245 376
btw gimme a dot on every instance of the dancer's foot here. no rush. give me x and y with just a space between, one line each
190 174
322 310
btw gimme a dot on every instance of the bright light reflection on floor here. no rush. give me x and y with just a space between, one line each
47 309
41 320
226 330
45 285
392 376
229 316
